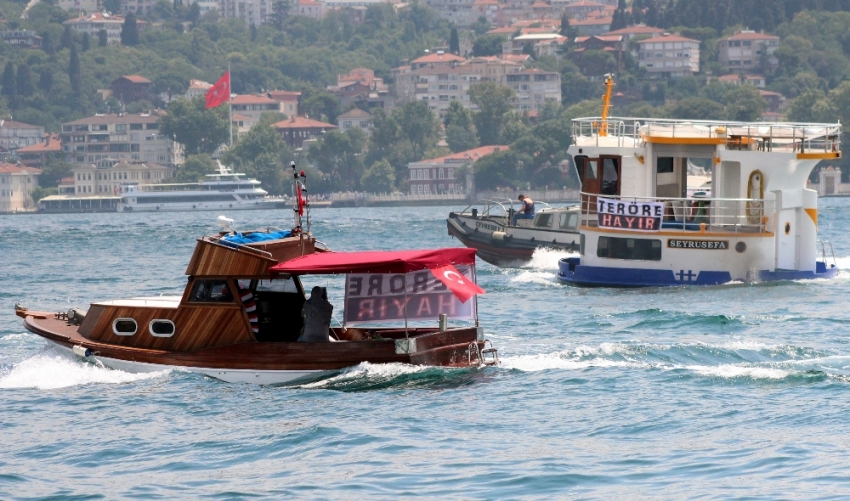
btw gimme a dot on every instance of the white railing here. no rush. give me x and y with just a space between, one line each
690 215
752 136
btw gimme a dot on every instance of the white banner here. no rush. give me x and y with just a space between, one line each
629 215
380 297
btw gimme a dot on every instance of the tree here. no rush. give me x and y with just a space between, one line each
112 6
379 178
493 101
802 108
698 108
85 43
280 9
67 37
195 168
487 45
130 31
262 153
74 71
419 126
744 104
496 170
480 26
24 82
199 130
454 42
102 38
9 84
461 134
339 154
53 170
322 104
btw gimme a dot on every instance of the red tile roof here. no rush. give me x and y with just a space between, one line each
438 58
636 30
593 21
51 145
136 78
252 99
751 35
473 154
302 123
11 124
668 38
284 95
17 169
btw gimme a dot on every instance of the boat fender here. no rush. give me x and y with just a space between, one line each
81 351
498 235
76 316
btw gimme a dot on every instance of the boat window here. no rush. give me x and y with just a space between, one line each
665 165
124 326
543 221
590 168
610 176
638 249
568 220
215 291
278 285
161 328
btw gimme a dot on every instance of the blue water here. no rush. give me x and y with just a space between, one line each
739 391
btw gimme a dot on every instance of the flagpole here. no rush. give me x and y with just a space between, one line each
230 103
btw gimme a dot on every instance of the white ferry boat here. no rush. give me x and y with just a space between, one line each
641 226
223 190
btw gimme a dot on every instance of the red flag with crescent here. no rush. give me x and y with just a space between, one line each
220 92
461 286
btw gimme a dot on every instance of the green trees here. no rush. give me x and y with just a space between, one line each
461 134
102 38
199 130
698 109
74 75
379 178
195 168
487 45
454 42
130 31
340 155
263 154
744 103
493 101
9 85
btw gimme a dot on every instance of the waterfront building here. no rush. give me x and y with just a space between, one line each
16 185
296 130
440 175
14 135
108 176
36 155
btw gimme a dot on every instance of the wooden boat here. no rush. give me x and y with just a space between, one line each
212 333
487 226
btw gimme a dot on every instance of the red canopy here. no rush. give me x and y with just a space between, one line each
325 263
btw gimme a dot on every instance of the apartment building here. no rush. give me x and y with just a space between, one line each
16 185
97 21
669 56
14 135
459 12
748 50
36 155
21 38
534 88
107 177
254 12
355 119
635 30
127 136
439 175
79 5
254 105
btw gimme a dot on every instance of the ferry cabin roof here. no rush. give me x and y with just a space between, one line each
641 157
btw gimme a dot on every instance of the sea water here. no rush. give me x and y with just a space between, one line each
735 391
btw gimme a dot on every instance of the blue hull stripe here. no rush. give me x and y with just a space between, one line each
571 271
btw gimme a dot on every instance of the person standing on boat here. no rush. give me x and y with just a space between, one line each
316 312
527 209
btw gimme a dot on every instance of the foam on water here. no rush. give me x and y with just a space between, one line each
563 360
547 259
50 370
729 371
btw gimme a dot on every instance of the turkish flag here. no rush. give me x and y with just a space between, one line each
462 287
220 92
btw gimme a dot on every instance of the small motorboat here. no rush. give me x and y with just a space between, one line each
244 316
487 227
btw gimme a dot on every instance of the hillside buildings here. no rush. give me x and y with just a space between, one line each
97 21
295 131
16 185
748 50
126 136
355 119
440 175
669 56
14 135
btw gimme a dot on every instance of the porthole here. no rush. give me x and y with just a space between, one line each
161 328
124 326
741 247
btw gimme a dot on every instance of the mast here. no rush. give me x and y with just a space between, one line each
606 103
230 102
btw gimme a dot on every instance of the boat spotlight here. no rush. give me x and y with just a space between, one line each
225 223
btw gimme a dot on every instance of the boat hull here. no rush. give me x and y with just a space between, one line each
505 246
267 362
571 271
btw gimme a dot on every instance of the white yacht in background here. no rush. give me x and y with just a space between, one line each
223 190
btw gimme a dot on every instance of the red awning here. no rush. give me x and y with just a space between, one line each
326 263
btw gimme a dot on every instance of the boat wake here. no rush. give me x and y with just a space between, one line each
739 360
368 377
50 370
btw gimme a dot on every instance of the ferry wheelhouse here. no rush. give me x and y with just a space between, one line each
640 225
224 190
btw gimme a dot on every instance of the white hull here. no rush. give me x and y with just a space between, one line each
205 206
226 375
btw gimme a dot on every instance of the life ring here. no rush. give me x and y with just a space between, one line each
755 195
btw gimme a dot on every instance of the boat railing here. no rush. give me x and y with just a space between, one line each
787 137
491 207
695 214
823 245
220 240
